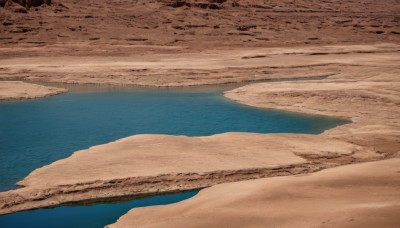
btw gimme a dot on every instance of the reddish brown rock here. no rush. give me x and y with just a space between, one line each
26 3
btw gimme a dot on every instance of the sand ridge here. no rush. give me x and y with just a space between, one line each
149 164
360 195
194 68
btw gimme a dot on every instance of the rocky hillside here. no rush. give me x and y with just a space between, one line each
199 23
24 3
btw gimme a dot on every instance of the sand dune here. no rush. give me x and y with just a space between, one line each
362 195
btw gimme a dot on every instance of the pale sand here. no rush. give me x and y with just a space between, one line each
363 88
372 103
200 46
361 195
195 68
146 164
15 90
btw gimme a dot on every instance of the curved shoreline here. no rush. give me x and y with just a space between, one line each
130 169
379 90
356 195
373 114
17 90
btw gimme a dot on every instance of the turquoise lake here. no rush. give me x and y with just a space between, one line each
37 132
98 215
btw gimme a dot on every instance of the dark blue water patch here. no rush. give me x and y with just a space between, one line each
96 216
37 132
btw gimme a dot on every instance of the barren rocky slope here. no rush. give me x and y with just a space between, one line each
83 27
180 43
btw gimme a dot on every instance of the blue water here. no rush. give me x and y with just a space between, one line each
35 133
84 216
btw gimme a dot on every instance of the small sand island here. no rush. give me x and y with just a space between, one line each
17 90
337 59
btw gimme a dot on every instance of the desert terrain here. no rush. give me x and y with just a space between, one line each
120 27
347 196
351 46
364 89
180 43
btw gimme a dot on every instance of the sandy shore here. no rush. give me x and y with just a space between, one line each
150 164
361 195
15 90
193 68
368 94
362 86
167 43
